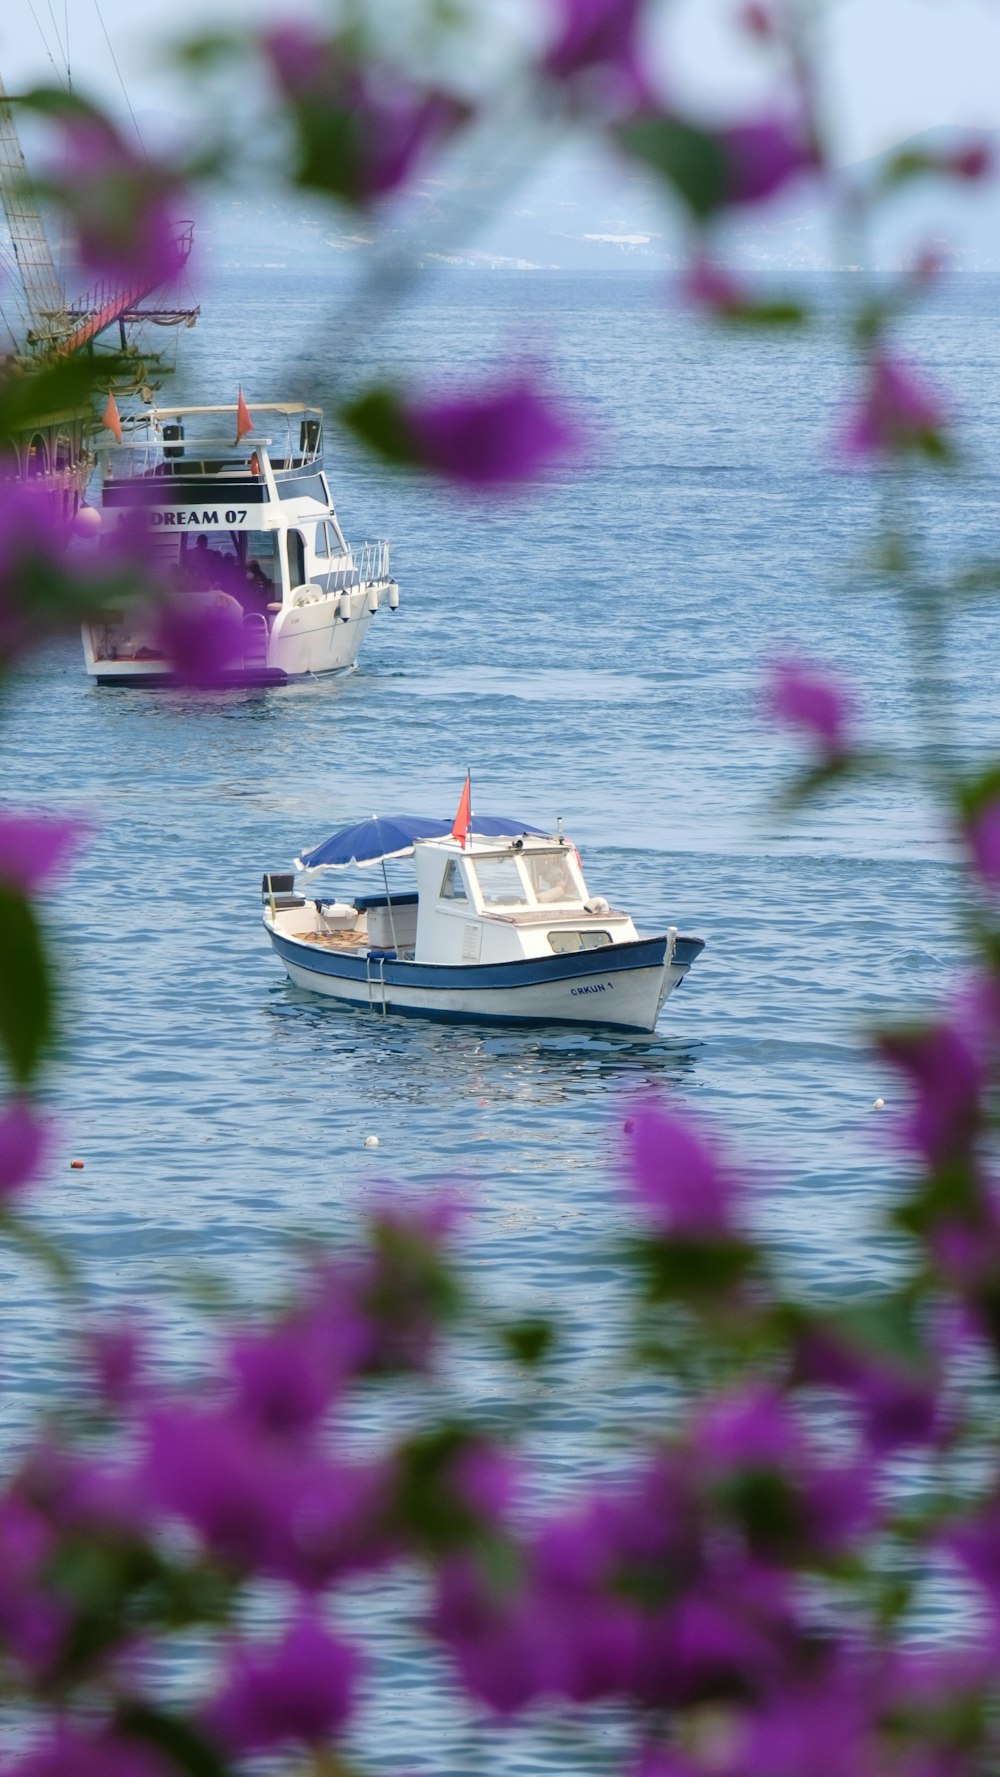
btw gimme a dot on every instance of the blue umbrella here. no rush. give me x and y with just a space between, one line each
392 836
371 841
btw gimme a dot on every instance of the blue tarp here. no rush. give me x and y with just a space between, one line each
392 836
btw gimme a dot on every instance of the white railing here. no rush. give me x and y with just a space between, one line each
372 563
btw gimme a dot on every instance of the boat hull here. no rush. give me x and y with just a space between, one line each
620 987
304 642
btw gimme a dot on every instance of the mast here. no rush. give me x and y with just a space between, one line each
43 289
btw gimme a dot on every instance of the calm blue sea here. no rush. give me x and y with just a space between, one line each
592 652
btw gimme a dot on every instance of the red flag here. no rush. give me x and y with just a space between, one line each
464 816
244 423
111 418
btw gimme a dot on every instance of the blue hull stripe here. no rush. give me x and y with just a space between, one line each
640 953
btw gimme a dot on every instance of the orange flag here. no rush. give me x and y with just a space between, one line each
111 418
244 423
464 816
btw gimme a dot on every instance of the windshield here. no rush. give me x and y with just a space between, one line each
550 876
500 883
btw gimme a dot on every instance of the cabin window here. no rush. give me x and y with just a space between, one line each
500 882
296 545
309 437
550 876
564 943
327 540
452 887
37 457
242 563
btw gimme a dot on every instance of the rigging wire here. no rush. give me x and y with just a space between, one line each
61 46
69 71
121 82
45 43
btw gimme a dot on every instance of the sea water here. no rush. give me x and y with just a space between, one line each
595 652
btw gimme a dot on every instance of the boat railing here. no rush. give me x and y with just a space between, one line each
371 563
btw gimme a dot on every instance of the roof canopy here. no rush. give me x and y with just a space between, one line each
393 836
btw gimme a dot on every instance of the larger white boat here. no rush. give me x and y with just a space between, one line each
501 929
250 526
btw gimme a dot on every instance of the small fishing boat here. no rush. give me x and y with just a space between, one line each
246 526
502 928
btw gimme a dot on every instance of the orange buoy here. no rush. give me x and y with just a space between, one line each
76 1165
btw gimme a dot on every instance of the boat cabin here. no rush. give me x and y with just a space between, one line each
490 902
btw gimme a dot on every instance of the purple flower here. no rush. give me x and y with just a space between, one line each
984 840
805 697
363 129
202 638
299 1691
23 1143
120 204
116 1353
678 1180
897 412
898 1403
506 433
34 849
70 1750
711 287
284 1381
761 157
948 1077
597 35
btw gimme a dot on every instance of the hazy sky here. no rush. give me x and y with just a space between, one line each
893 67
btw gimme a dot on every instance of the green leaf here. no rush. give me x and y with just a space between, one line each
782 312
687 158
185 1746
377 419
530 1340
27 1021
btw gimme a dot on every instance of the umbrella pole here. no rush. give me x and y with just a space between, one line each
388 897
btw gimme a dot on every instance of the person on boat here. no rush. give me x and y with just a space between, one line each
204 565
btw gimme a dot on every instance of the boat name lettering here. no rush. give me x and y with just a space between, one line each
234 515
594 987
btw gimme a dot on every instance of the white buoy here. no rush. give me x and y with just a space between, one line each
344 607
372 600
394 597
879 1104
371 1141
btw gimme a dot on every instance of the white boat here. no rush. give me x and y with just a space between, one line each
250 526
501 928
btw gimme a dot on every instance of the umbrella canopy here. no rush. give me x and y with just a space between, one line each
392 836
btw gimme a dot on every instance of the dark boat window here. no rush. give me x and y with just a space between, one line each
296 558
309 436
453 888
563 943
173 439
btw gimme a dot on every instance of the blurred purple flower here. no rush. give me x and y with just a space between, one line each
678 1180
364 128
761 157
116 1351
507 433
984 840
121 205
598 35
34 849
974 161
23 1143
71 1751
948 1078
899 1404
897 412
800 695
299 1691
202 639
712 287
283 1381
